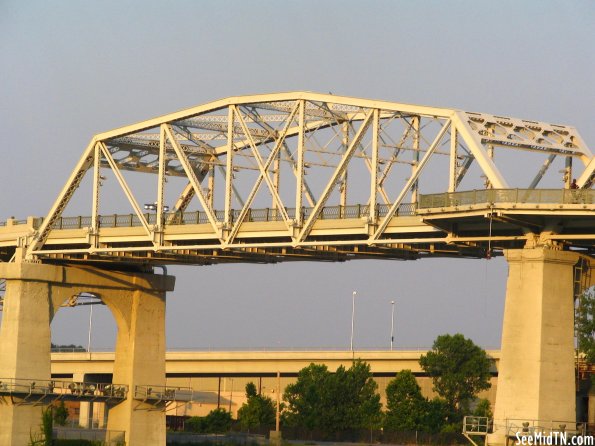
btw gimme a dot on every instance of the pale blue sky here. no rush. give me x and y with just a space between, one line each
71 69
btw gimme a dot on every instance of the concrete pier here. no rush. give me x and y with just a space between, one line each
35 292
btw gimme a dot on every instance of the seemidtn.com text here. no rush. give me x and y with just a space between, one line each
553 438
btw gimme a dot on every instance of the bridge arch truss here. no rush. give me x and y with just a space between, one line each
303 175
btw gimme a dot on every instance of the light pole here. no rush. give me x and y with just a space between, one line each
352 317
90 329
392 324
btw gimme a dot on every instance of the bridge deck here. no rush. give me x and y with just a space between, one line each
458 224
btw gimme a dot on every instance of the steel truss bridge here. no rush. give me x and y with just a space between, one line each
306 176
298 176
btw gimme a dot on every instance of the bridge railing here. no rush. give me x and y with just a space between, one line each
528 428
162 393
492 196
67 389
253 215
441 200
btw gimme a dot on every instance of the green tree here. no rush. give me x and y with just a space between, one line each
61 414
459 370
195 424
585 325
257 411
483 409
356 392
436 416
217 421
47 425
332 402
307 396
406 407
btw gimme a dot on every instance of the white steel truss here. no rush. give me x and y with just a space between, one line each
301 148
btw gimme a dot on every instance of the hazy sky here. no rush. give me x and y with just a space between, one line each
70 69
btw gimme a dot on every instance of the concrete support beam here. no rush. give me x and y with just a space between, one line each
536 375
140 361
34 292
24 353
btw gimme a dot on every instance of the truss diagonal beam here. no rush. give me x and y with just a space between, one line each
336 175
301 126
586 179
546 164
125 188
85 162
479 152
263 173
193 179
384 223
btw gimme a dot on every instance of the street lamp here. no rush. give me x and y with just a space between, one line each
392 324
153 207
352 317
90 329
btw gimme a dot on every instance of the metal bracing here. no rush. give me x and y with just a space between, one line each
265 175
410 183
125 187
321 157
336 175
168 132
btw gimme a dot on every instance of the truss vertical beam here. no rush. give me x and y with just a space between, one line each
160 181
382 226
125 188
276 176
415 123
343 201
452 170
96 189
299 174
374 173
567 172
211 184
192 177
229 166
335 177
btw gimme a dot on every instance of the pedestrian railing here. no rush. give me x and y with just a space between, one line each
515 196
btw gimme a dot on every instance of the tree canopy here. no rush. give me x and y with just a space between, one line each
406 407
217 421
585 325
459 369
333 402
258 410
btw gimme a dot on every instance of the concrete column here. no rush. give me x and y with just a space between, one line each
34 292
536 373
24 353
140 361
